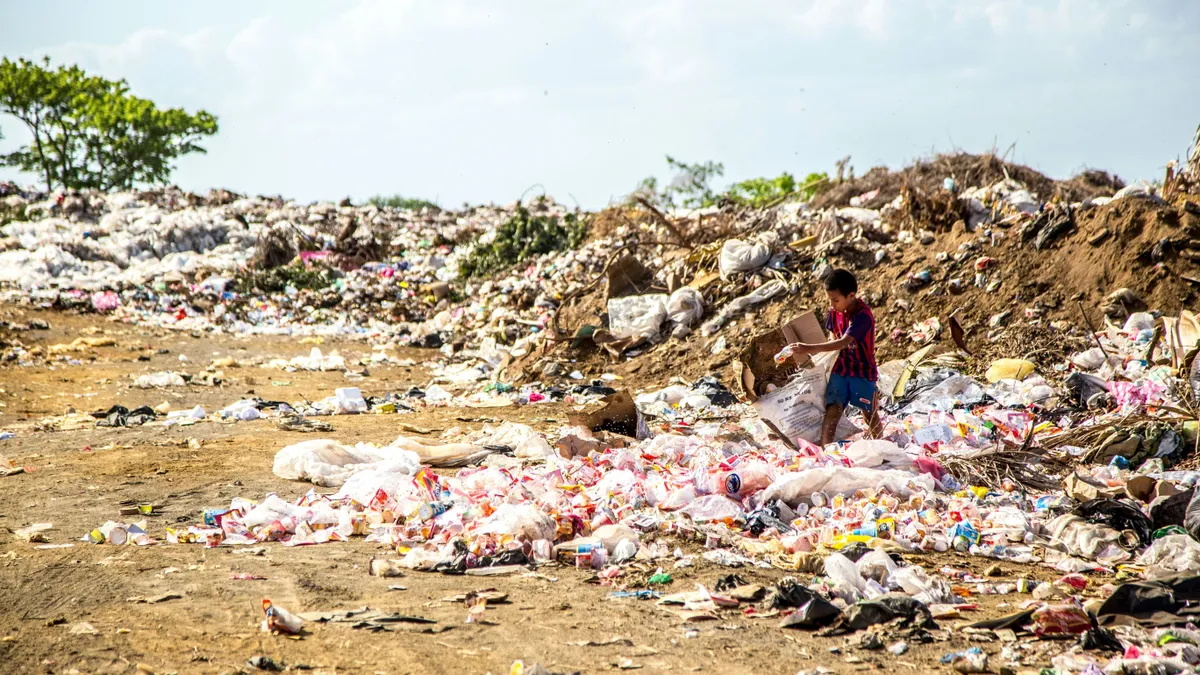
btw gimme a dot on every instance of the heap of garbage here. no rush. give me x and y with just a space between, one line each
1079 457
497 287
1090 477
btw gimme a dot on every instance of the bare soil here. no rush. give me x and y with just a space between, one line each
78 479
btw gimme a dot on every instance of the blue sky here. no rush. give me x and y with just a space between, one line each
477 101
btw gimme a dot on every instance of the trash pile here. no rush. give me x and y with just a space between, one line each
987 245
1085 478
1073 454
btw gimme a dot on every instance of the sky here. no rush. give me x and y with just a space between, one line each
471 101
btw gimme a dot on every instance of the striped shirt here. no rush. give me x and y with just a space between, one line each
858 359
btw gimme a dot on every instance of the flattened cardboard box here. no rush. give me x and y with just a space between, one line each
795 409
758 358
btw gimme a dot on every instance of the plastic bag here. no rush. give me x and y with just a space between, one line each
876 565
741 256
1091 541
738 305
793 488
328 463
1009 369
877 453
684 309
924 588
523 521
269 510
637 316
1169 555
349 400
713 507
442 455
1090 359
1060 620
525 442
844 574
159 379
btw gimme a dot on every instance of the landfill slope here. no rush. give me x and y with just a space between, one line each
1038 297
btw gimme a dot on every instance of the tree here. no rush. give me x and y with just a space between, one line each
90 132
759 192
689 188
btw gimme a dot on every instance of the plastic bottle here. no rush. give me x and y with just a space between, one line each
430 511
1060 620
740 482
280 620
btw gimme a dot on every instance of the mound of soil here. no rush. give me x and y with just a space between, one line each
1141 244
966 169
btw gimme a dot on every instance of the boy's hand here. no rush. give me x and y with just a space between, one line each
789 351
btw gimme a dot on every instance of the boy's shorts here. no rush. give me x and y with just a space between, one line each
856 391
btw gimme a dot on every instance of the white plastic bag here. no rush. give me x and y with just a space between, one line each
328 463
738 305
796 487
350 400
847 582
741 256
637 316
1169 555
684 309
924 588
523 521
269 510
877 565
163 378
713 507
1088 540
525 442
877 453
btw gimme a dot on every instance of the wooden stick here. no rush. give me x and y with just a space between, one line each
1092 330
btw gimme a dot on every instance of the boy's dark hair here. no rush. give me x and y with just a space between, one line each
842 281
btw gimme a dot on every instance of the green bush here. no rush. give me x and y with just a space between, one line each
762 191
399 202
277 279
690 188
520 238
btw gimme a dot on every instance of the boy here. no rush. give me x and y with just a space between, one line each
852 381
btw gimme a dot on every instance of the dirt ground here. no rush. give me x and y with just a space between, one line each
559 617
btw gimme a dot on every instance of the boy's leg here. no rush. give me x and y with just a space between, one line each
874 425
837 395
833 415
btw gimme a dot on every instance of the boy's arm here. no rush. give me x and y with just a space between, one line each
818 347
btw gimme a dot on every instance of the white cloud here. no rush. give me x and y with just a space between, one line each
472 100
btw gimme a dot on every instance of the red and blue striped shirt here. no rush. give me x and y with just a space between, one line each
858 359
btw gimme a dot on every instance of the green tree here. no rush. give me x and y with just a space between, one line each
690 187
760 192
90 132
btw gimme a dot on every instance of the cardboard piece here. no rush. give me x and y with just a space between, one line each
758 359
615 413
796 410
628 276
